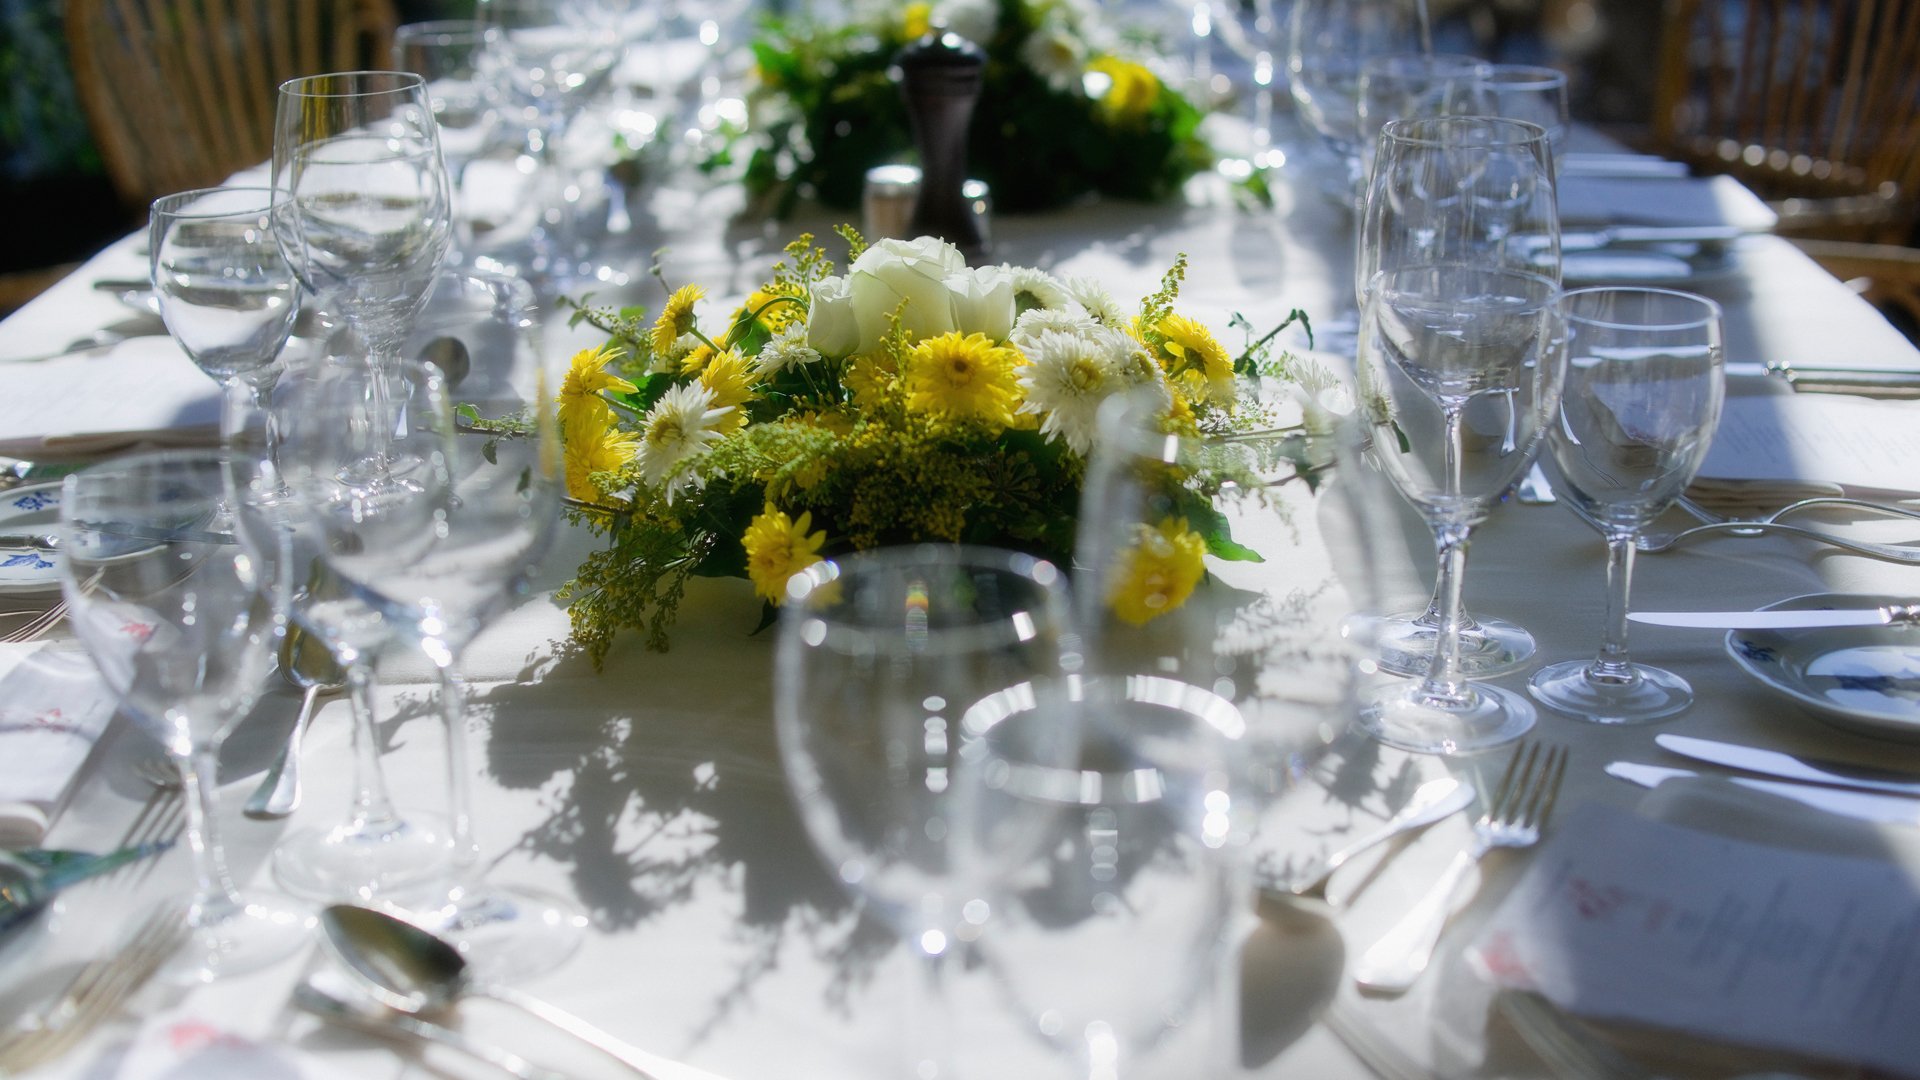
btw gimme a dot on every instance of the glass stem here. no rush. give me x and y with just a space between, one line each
1444 682
1612 666
236 406
260 400
453 713
929 1028
372 805
214 896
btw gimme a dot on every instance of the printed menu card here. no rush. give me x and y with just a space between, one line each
1627 919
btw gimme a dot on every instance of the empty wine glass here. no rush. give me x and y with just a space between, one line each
181 613
328 412
1404 86
1643 393
450 55
361 201
1134 873
225 292
1328 42
552 57
439 554
1537 95
1460 370
1472 189
882 658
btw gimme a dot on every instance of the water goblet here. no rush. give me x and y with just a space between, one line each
1537 95
882 658
362 205
1135 873
450 55
439 554
327 413
1403 86
1645 381
1327 43
182 613
226 293
1466 188
1455 358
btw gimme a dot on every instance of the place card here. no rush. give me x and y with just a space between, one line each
1622 918
53 708
1867 447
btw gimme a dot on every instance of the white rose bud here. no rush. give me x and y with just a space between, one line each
983 302
831 328
915 271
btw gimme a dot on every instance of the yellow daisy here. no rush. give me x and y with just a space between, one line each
779 547
1129 89
870 377
916 20
1157 572
587 454
730 375
967 378
1194 349
677 317
771 301
581 406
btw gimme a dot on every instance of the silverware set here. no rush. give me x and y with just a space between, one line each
95 993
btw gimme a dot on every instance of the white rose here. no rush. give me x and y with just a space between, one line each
983 302
915 271
832 329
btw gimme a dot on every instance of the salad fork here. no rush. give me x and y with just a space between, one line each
1512 819
97 990
1654 543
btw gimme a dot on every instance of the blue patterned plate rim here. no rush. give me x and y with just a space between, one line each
31 509
1862 679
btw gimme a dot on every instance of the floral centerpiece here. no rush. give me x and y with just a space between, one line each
1064 109
911 398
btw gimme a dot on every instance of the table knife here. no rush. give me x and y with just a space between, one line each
1824 374
1891 615
1785 766
1860 805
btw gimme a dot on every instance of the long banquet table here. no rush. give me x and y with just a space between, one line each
651 792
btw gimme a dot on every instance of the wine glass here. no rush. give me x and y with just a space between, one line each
1459 188
181 613
361 202
1134 873
327 412
1537 95
882 659
552 57
1645 380
450 55
227 295
1328 41
439 553
1401 86
1460 371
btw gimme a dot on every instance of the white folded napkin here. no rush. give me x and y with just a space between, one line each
1650 924
53 708
1713 200
142 390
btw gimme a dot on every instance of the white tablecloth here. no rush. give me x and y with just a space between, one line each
652 794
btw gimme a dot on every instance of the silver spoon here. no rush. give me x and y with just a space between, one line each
409 970
383 1022
450 355
1431 801
308 665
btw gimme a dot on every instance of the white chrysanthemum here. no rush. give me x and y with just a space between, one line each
679 427
1056 55
1066 378
668 363
1030 325
1094 297
1322 396
788 349
1036 290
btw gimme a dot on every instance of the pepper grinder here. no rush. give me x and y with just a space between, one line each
940 79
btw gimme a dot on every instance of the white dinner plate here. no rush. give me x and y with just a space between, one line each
1863 679
34 509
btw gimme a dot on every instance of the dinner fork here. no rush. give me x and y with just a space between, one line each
1654 543
1512 819
39 623
96 992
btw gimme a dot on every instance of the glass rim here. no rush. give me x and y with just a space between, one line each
404 82
1524 75
805 582
440 28
1394 62
1710 311
1517 132
185 198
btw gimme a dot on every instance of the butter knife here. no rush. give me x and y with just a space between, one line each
1753 759
1891 615
1860 805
